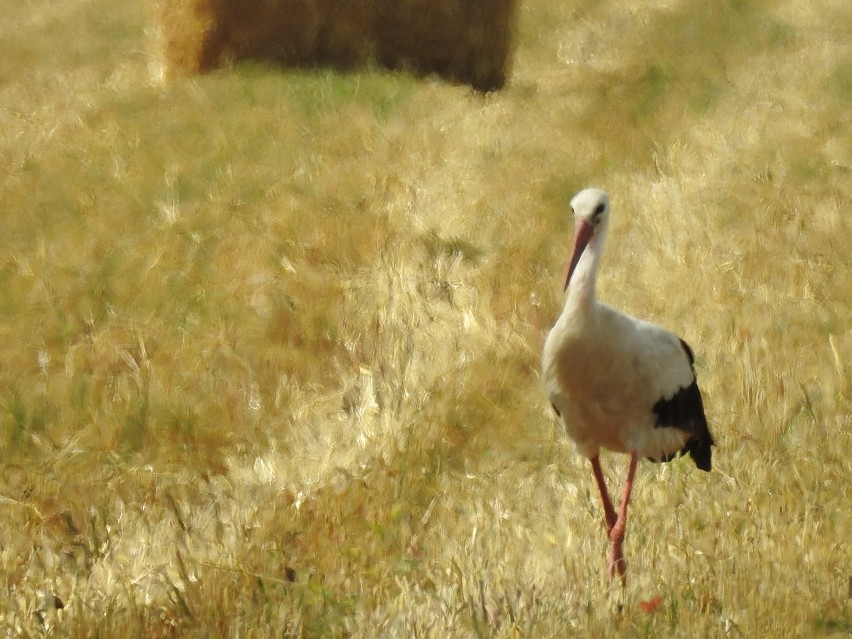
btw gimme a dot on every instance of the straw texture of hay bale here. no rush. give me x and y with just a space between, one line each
466 41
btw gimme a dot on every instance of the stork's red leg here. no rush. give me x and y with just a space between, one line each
616 534
609 511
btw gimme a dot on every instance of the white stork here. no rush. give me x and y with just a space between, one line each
616 381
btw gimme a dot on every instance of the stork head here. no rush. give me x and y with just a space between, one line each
591 214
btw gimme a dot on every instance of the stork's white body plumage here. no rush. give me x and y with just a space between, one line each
618 382
604 371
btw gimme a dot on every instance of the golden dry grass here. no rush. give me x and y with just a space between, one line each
269 340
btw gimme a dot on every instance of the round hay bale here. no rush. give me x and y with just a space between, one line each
465 41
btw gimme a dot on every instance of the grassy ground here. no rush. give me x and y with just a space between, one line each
270 339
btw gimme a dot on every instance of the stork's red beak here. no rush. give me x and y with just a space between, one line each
583 232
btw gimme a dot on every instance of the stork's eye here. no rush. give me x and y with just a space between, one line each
600 209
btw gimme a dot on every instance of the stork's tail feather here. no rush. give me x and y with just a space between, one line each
699 450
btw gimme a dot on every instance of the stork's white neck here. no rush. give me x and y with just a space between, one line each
581 288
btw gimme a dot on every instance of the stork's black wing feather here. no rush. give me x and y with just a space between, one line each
685 411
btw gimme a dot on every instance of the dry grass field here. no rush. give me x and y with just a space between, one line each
269 339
